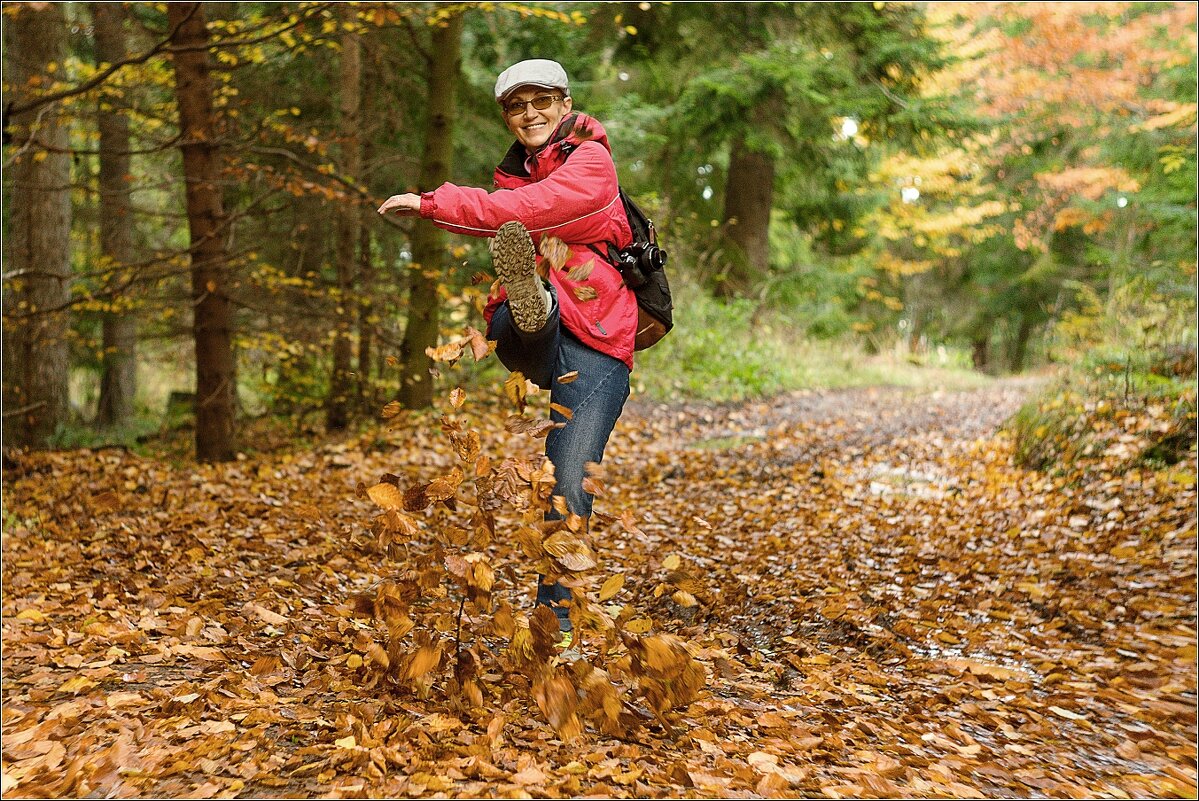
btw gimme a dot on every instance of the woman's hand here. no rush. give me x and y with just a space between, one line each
405 205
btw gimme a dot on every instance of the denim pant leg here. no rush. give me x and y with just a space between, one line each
595 399
535 355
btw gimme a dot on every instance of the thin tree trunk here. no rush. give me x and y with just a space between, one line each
749 194
980 351
428 242
366 321
366 268
341 387
38 244
118 384
213 321
1019 350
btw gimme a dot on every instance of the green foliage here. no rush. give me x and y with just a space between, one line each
731 351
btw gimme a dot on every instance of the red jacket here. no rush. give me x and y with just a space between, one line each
575 199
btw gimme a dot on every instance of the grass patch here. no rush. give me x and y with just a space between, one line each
729 352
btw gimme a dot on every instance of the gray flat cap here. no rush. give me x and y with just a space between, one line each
534 72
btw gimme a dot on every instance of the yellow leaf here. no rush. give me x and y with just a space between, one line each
346 742
566 378
386 495
424 660
684 598
1066 713
672 562
76 685
32 614
611 586
457 397
354 662
378 655
638 625
391 410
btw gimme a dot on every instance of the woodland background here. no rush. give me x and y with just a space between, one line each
189 195
904 506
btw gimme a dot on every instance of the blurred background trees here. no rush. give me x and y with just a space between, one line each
189 195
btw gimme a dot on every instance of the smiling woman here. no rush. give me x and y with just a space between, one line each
566 311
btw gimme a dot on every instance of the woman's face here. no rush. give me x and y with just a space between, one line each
534 127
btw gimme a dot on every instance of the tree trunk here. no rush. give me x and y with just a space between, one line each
748 196
366 321
38 242
341 385
213 322
428 242
980 351
1019 351
118 384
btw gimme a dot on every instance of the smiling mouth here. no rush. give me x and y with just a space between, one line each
534 127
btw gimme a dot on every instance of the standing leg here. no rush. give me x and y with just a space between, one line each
595 399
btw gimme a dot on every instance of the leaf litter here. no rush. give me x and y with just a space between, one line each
754 618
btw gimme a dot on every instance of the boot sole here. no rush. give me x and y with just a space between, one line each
515 261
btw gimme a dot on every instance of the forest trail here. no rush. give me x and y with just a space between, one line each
882 603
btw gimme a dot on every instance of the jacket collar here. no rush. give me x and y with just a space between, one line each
572 129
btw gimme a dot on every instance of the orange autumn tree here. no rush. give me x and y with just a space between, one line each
991 238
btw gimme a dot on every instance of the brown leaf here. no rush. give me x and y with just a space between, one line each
557 699
535 427
450 352
584 292
562 410
515 389
457 397
554 251
567 378
580 272
480 346
107 501
391 410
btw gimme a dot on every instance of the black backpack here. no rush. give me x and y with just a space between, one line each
641 265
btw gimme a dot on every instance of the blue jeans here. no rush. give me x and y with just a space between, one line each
596 399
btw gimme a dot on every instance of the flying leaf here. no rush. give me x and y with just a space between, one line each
515 389
386 495
567 378
611 586
562 410
555 251
450 352
457 397
580 272
480 346
424 660
584 292
391 410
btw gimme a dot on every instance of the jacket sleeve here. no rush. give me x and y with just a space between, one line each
569 203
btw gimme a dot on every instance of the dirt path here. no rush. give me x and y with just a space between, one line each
882 603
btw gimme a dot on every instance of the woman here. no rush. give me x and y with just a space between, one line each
558 179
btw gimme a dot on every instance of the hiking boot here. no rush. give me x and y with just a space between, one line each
515 261
568 652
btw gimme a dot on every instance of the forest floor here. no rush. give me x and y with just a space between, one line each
881 603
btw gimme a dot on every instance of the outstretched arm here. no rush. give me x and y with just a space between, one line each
405 205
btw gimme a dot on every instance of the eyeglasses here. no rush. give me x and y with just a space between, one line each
541 103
